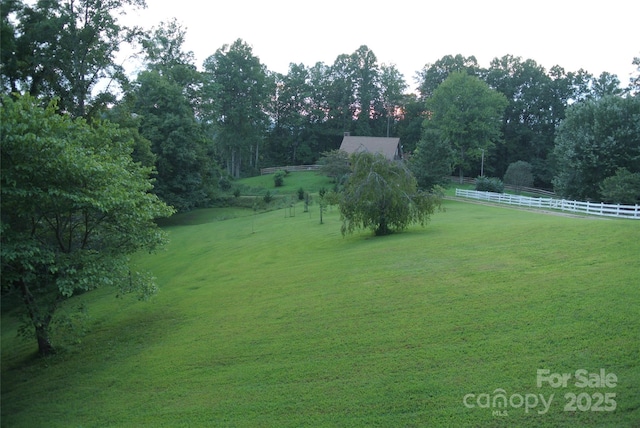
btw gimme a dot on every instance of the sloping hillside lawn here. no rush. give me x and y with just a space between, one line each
273 320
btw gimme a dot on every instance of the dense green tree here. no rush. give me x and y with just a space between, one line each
74 207
432 75
289 137
165 103
432 160
340 96
621 188
383 196
596 138
468 114
528 126
63 49
163 50
239 89
186 171
410 123
392 88
366 77
519 174
606 84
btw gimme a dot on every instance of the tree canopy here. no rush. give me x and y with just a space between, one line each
597 137
74 207
383 196
467 114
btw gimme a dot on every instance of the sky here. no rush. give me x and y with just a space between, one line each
592 35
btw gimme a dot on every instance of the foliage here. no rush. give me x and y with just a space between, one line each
597 138
224 183
74 207
165 99
467 113
235 97
621 188
335 164
301 194
382 195
431 163
519 175
536 104
268 197
187 175
634 79
64 49
278 178
489 184
433 75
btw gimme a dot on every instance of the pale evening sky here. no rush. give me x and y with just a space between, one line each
596 36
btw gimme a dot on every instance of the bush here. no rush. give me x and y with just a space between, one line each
301 194
278 178
621 188
489 184
224 184
236 192
519 175
267 197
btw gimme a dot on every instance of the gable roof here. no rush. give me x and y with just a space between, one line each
388 147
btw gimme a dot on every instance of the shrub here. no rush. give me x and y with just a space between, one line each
278 178
519 175
267 197
236 192
301 194
621 188
224 184
489 184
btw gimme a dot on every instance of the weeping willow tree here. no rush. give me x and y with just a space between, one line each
383 196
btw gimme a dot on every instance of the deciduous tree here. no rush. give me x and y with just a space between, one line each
74 207
62 49
468 114
519 174
165 100
239 89
596 138
383 196
432 161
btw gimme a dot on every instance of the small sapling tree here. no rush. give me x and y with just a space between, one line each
278 178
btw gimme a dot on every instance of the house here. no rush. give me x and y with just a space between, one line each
389 147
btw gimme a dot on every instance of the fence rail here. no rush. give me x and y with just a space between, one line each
293 168
532 190
590 208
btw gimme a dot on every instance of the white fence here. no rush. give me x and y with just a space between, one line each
591 208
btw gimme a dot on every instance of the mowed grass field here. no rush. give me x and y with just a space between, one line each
274 320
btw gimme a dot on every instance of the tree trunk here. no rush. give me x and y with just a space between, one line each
45 347
40 321
461 162
255 164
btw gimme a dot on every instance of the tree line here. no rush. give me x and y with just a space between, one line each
232 115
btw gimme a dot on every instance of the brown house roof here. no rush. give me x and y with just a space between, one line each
389 147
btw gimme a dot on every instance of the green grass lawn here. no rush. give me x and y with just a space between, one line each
309 181
273 320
